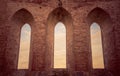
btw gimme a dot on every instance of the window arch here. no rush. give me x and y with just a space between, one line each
23 60
96 45
60 14
60 46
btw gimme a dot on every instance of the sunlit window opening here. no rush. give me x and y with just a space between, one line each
96 44
23 61
60 46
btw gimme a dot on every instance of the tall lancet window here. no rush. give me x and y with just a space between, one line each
23 60
60 46
96 45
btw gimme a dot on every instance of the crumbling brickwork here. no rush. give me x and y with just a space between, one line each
42 15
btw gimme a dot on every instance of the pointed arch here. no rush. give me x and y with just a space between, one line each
17 20
24 51
101 17
22 16
59 15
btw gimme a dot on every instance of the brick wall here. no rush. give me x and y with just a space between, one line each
40 53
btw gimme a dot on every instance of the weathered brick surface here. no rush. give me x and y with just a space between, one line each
101 72
2 33
42 15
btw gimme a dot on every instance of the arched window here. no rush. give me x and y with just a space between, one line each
96 44
23 60
60 46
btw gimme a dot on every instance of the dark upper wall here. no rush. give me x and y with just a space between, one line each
34 1
61 0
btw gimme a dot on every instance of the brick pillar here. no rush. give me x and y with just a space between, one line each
81 50
38 45
2 33
116 63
